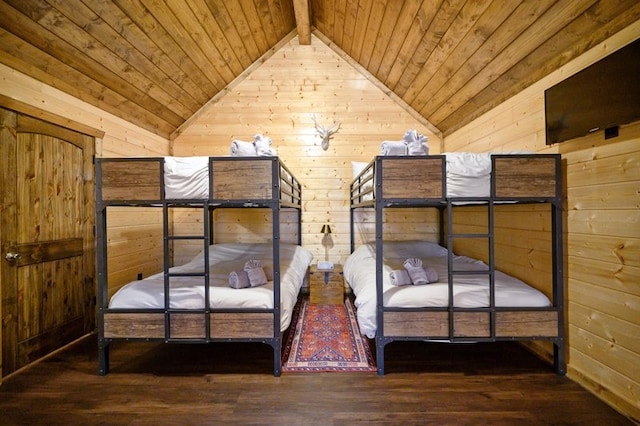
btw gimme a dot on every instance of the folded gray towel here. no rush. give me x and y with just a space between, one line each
239 279
393 148
400 277
254 270
417 148
416 271
242 149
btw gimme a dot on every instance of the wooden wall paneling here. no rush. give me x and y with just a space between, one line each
583 30
601 236
8 232
111 66
279 99
144 73
392 14
474 19
116 138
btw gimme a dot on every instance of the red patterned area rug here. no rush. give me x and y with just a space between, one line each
326 338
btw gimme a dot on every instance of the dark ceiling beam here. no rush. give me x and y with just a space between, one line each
303 20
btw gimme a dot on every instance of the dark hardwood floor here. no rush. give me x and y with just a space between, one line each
154 383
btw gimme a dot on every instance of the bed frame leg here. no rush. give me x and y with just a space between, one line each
103 358
277 360
559 362
380 344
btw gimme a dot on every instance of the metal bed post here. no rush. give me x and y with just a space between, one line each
559 355
276 342
101 245
381 341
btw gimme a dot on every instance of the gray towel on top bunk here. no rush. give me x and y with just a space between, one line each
242 149
239 279
400 277
393 148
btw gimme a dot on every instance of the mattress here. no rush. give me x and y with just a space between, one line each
469 291
187 292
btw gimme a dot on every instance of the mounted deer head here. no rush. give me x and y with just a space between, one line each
326 132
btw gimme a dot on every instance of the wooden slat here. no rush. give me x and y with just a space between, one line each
471 324
425 175
526 177
416 324
527 324
123 325
439 71
48 251
131 180
241 325
438 27
244 179
465 21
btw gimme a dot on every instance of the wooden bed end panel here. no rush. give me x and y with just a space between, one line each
412 177
228 325
416 324
526 176
241 178
133 325
435 324
527 324
236 325
131 179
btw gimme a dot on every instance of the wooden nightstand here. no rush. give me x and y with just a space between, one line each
326 285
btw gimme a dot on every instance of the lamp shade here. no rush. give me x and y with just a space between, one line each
326 229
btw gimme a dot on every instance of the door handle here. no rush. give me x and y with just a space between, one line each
12 256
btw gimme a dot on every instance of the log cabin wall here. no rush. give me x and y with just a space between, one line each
278 99
135 240
602 238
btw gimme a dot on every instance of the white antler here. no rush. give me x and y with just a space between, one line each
324 132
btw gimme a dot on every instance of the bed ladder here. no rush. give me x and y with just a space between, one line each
490 271
205 237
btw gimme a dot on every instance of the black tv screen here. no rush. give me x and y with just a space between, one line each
602 96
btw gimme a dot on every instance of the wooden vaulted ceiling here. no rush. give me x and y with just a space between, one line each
157 62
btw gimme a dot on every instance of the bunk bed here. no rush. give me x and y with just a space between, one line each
194 302
471 300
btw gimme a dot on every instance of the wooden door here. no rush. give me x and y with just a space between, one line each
46 235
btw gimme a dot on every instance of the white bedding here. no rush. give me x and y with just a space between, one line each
468 173
469 291
186 177
188 292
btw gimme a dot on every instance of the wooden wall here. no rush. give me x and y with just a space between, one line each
132 237
279 96
278 99
601 231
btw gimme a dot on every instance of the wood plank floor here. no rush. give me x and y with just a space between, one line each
152 383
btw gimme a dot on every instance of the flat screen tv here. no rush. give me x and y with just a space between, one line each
603 96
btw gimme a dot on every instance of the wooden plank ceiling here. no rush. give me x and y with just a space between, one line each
157 62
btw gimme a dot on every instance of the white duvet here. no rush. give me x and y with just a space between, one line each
469 291
188 292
